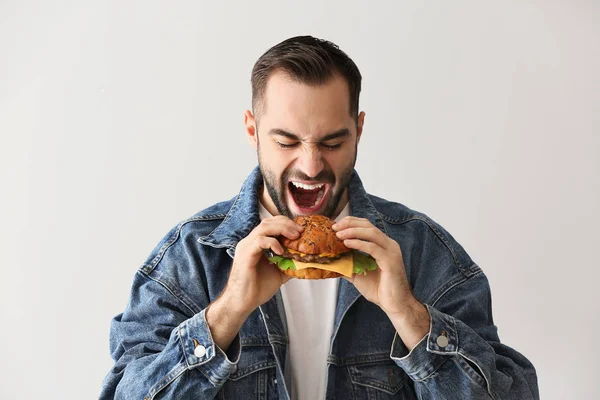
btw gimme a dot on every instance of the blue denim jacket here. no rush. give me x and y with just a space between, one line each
153 341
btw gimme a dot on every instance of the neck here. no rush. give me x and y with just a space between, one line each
342 204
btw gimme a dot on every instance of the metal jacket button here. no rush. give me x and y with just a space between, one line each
442 340
200 351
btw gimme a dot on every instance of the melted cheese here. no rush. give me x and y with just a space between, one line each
344 265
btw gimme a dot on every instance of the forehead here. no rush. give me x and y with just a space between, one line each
306 110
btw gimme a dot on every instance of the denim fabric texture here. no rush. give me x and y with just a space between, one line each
154 342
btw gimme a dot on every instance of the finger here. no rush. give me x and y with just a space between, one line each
282 219
370 234
286 228
350 221
370 248
285 277
266 243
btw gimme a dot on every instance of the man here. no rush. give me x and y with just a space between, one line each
209 317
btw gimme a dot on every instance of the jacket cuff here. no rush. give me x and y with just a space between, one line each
200 350
432 351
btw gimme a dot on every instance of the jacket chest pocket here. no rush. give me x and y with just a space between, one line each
380 380
254 376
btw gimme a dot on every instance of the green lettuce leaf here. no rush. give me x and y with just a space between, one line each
282 262
363 263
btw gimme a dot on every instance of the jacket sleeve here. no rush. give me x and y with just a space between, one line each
162 350
461 356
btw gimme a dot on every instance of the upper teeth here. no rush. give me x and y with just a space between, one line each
308 187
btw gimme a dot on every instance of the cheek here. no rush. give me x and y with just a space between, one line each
275 157
339 160
279 162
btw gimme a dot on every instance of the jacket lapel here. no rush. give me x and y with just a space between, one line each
360 207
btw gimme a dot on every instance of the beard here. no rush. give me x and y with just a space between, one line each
276 187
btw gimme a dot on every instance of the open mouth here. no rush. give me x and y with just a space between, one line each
308 197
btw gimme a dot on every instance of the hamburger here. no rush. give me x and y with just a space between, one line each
318 253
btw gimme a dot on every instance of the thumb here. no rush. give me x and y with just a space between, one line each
285 278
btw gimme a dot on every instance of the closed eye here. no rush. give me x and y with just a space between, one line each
286 146
292 145
331 146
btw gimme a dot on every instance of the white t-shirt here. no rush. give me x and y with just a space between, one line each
309 310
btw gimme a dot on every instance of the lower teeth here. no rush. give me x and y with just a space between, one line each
319 197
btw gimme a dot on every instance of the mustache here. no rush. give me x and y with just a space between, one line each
324 176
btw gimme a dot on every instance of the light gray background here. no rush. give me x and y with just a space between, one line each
119 119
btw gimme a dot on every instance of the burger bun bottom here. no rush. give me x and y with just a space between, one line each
311 273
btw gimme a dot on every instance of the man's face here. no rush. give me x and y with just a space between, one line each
307 145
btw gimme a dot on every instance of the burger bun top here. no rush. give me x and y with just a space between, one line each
317 238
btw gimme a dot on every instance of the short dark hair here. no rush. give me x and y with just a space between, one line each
309 60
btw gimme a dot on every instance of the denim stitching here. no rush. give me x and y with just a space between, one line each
434 372
485 379
207 375
374 383
361 359
166 381
439 235
170 291
278 339
215 245
274 353
451 285
254 341
227 216
152 265
176 290
251 369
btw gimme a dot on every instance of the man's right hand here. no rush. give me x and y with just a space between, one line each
252 280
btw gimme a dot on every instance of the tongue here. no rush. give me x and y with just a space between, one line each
305 198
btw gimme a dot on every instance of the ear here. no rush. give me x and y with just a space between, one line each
251 131
359 125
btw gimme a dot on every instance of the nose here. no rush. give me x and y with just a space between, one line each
311 162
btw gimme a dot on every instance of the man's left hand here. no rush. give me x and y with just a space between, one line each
387 286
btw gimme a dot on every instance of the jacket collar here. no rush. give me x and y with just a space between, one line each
241 218
243 214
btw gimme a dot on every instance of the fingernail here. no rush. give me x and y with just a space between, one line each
334 226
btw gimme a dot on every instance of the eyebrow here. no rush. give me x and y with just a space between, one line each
334 135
